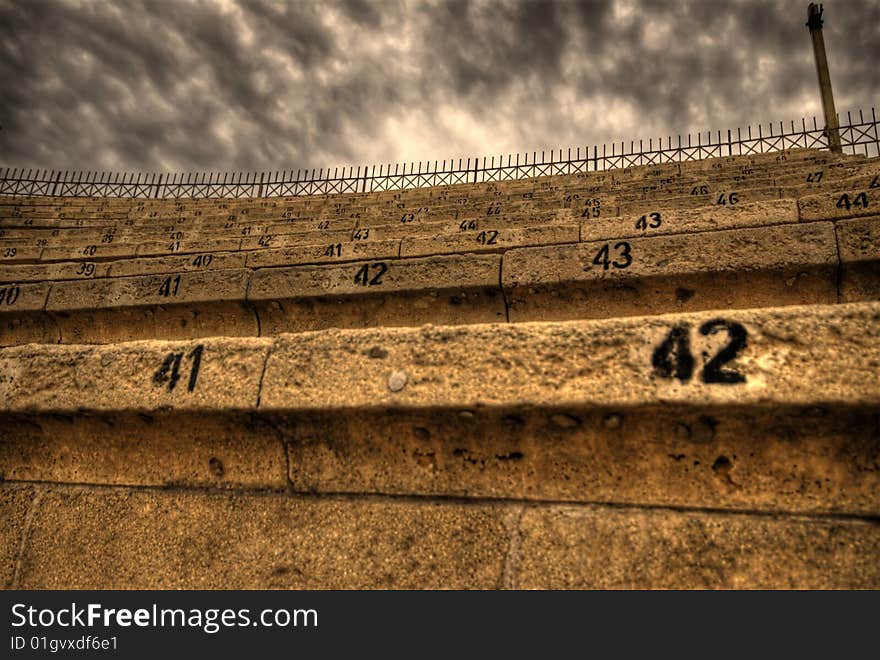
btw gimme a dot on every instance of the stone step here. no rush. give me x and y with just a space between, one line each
758 410
730 269
637 268
124 538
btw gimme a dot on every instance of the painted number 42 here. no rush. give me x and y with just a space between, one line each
672 358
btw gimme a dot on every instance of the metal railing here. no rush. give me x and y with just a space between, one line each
856 137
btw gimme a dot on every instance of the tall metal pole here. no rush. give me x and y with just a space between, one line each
832 129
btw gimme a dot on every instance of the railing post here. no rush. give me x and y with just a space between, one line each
814 23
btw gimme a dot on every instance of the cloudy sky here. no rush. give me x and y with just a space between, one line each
168 85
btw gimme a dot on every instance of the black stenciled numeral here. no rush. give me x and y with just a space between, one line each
673 358
203 260
363 275
90 250
859 201
731 198
592 209
700 190
814 177
334 250
169 372
196 356
712 372
86 269
467 225
377 278
9 294
643 224
487 237
170 286
603 258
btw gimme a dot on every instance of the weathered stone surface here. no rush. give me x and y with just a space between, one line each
28 327
869 178
732 269
611 548
639 172
15 252
324 253
743 194
859 244
160 289
655 443
88 252
451 290
489 240
824 174
839 205
15 298
677 221
162 306
33 221
779 458
193 246
14 504
792 355
177 264
22 320
47 272
132 376
169 322
102 539
215 449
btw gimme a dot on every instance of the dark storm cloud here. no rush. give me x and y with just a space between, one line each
264 85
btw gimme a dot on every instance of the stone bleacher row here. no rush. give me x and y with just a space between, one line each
597 266
664 376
